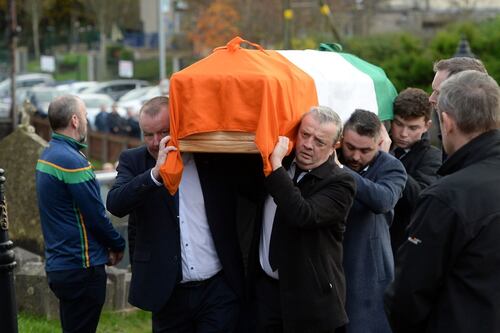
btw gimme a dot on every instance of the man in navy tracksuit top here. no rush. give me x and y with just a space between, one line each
79 238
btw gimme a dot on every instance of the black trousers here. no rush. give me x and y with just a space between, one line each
81 294
269 317
199 307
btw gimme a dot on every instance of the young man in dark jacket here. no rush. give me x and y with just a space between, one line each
368 262
447 271
412 120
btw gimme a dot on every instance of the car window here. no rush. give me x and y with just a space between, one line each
30 83
122 87
134 94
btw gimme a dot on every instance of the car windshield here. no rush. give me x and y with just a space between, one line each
134 94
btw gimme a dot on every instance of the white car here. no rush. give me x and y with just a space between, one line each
76 87
40 97
136 98
24 81
93 104
116 88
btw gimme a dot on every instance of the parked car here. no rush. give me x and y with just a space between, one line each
116 88
21 96
41 97
76 87
24 80
93 104
136 98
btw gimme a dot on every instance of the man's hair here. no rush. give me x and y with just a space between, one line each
364 123
61 110
413 103
153 107
472 99
459 64
324 114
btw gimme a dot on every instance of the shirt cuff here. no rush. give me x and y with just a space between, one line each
154 179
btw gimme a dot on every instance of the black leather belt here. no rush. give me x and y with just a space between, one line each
195 284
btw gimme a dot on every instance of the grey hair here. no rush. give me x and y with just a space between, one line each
472 99
459 64
61 109
324 114
153 107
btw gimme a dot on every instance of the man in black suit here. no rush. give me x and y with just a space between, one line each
186 262
300 285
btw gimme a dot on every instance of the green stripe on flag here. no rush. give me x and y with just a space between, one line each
68 176
384 89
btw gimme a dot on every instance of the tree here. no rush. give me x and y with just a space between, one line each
215 27
107 13
34 8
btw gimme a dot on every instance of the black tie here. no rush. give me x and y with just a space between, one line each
298 172
399 152
274 244
176 202
276 231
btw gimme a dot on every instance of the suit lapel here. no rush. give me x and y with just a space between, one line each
172 201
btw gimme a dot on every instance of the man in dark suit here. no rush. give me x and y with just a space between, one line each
300 283
368 261
412 120
186 262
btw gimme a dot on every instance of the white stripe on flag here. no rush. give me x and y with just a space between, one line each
339 84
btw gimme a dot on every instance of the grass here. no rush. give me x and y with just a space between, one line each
110 322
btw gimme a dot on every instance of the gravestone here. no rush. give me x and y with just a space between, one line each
24 257
19 152
33 294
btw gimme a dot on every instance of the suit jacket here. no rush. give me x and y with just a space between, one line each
154 230
368 261
421 163
309 225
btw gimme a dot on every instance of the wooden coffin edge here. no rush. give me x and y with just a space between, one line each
219 142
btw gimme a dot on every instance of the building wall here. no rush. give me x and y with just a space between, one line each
444 4
149 16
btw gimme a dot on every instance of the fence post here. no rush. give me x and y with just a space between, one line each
8 309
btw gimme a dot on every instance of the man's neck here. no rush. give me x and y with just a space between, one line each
461 140
69 133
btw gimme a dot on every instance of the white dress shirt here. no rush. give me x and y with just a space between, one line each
199 257
267 228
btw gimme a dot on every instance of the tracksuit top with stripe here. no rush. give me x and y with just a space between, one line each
75 226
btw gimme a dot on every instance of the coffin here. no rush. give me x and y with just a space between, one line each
240 100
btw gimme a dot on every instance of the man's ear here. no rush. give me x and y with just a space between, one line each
447 123
74 121
337 144
428 124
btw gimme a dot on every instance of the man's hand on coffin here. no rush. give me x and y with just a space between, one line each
279 152
385 140
163 151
